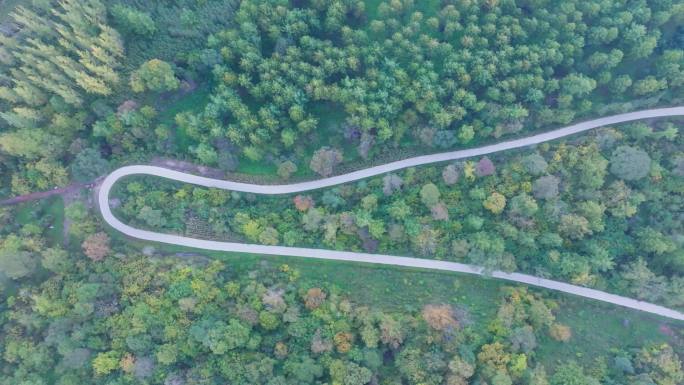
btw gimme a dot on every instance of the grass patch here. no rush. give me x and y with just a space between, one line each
599 327
55 210
248 166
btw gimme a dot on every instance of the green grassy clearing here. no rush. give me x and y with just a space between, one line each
55 210
251 167
597 327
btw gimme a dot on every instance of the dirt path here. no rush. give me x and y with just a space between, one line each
183 166
70 189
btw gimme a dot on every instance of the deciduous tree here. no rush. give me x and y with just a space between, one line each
630 163
154 75
96 246
324 161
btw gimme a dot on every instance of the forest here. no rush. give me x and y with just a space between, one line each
261 85
603 211
113 314
277 91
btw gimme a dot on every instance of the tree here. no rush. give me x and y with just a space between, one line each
572 374
96 246
286 169
426 241
268 320
227 160
15 262
653 241
523 205
349 373
439 317
466 134
642 282
312 219
460 369
56 260
535 164
324 161
489 251
545 187
151 217
648 85
105 362
269 236
661 363
440 212
391 183
343 342
501 378
495 203
167 354
154 75
523 339
560 332
574 226
88 165
314 298
621 201
429 194
304 370
450 175
493 358
132 20
320 343
143 368
303 202
484 167
621 84
391 332
538 376
577 84
670 66
629 163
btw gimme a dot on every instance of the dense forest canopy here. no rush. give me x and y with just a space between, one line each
275 90
277 80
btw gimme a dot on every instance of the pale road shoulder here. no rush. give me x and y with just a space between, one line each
111 179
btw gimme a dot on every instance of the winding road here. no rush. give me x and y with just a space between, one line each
111 179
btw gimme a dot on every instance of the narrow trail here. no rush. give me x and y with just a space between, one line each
43 194
111 179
